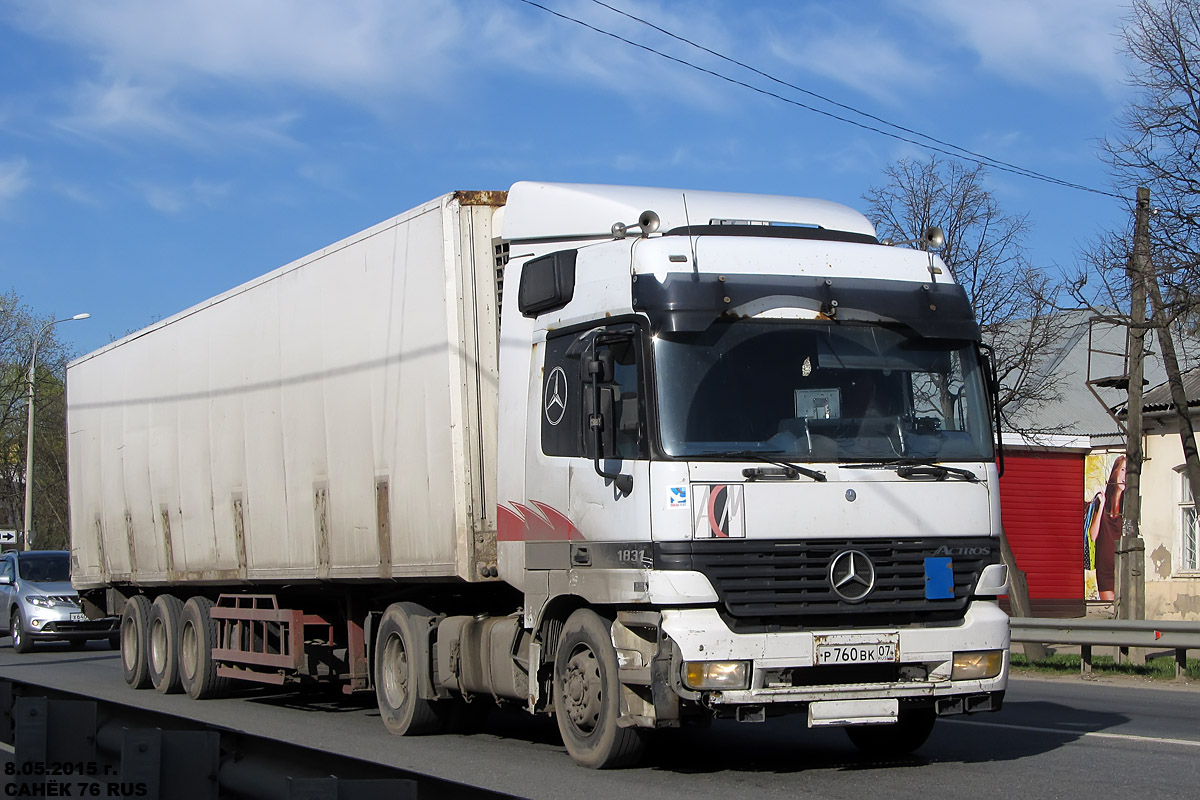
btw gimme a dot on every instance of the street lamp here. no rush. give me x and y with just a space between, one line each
29 441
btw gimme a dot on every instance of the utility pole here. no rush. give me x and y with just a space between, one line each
1131 549
27 536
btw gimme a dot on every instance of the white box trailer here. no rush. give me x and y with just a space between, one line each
332 419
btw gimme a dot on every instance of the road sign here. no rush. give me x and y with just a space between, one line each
8 537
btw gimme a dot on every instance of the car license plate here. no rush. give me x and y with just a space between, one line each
855 648
78 616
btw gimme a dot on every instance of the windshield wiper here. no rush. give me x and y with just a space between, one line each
761 455
918 468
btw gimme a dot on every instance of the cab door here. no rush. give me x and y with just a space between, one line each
594 435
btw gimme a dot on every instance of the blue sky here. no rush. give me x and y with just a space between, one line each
155 154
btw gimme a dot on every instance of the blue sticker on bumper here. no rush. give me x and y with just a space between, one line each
939 579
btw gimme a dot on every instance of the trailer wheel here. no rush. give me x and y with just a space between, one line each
587 699
399 671
163 644
198 635
901 738
135 623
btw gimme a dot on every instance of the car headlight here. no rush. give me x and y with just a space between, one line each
40 602
978 665
716 674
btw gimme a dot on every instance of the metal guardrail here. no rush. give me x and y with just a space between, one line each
1176 635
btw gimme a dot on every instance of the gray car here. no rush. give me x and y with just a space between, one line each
42 605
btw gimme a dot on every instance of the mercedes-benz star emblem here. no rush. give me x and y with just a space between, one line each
556 396
852 575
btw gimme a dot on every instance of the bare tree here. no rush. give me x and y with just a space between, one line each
18 327
1013 301
1159 148
1159 143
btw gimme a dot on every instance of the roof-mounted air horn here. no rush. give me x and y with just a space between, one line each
647 224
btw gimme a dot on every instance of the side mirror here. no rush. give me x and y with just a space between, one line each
601 439
5 580
600 369
600 427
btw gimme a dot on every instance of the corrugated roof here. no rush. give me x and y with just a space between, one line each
1077 411
1159 397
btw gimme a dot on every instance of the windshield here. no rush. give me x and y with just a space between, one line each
820 391
45 568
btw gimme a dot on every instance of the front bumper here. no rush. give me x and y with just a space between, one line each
49 625
783 670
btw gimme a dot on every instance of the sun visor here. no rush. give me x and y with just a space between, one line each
690 302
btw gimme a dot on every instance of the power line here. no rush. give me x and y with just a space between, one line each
938 146
980 157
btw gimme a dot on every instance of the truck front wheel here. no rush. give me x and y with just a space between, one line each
135 622
901 738
587 695
400 670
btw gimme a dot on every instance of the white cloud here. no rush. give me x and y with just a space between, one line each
867 57
122 108
177 199
160 68
78 194
561 50
14 178
346 46
1036 42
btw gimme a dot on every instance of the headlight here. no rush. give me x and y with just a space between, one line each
40 602
716 674
977 666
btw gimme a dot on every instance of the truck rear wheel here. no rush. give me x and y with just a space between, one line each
400 670
198 635
135 624
901 738
587 695
163 644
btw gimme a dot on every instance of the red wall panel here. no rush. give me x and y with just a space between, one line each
1041 504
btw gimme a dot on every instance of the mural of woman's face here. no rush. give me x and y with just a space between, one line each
1121 474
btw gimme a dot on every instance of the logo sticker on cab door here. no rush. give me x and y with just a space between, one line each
718 511
677 497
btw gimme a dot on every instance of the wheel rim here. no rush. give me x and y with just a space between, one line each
16 631
128 643
158 645
189 651
395 672
583 690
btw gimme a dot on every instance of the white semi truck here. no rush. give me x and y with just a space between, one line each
633 457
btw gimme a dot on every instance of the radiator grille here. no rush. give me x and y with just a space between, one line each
775 581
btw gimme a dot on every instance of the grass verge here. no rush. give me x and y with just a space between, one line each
1162 667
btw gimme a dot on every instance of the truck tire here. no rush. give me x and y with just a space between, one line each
135 623
198 635
162 644
901 738
398 673
587 696
22 642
